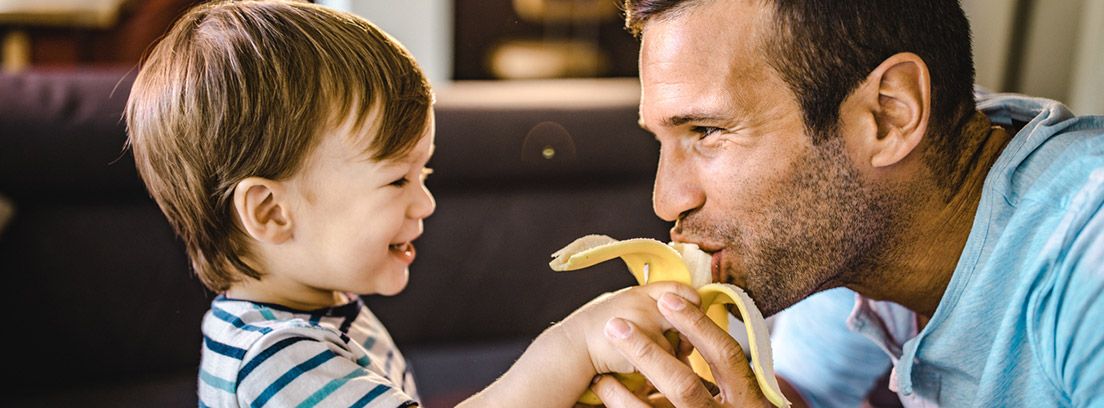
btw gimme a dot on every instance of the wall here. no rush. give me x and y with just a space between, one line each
1053 49
1088 94
423 26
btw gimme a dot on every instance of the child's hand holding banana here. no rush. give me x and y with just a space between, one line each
652 261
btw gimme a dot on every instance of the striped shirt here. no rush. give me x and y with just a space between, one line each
257 354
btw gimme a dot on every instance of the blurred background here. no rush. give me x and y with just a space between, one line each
538 144
1053 49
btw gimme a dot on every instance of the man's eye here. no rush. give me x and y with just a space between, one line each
400 182
704 131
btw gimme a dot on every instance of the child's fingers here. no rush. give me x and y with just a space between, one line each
614 394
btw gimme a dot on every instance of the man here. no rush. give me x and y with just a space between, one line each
811 145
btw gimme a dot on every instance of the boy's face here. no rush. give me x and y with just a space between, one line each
355 219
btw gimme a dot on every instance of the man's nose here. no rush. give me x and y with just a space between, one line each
676 186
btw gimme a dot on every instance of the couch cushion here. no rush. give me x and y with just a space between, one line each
62 133
162 391
102 287
448 373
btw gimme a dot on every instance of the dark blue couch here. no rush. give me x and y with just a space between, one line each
104 311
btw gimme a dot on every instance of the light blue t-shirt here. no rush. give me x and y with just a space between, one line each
1022 320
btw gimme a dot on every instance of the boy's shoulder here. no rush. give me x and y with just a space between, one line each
251 349
249 325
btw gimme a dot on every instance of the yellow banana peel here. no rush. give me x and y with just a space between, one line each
650 261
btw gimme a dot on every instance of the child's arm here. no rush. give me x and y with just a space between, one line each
558 367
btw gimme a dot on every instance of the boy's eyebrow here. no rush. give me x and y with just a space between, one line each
406 159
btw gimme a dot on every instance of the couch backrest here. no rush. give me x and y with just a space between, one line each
99 287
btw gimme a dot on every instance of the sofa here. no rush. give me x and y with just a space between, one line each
107 310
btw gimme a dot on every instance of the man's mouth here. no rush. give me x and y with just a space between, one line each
715 265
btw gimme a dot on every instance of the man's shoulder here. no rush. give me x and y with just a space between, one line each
1052 152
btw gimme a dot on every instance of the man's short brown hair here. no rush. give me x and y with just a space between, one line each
244 88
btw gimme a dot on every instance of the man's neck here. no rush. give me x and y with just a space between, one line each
919 263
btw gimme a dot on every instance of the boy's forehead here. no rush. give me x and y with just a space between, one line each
367 137
421 151
358 135
364 146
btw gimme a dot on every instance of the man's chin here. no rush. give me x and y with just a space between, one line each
770 299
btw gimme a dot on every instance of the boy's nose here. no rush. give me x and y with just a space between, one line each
423 206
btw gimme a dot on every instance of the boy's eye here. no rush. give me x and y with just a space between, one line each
404 181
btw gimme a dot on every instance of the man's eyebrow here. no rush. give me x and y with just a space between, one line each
679 120
675 121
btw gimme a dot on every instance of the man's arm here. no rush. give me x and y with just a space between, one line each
1070 329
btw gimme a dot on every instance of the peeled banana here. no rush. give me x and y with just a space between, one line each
652 261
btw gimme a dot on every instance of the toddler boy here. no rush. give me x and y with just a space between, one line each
287 145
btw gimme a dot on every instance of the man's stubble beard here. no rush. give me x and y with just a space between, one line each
822 226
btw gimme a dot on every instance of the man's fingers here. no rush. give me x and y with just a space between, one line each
725 356
670 376
658 289
614 394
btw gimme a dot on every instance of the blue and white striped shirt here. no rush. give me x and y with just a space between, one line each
257 354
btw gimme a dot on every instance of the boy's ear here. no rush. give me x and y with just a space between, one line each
898 96
261 207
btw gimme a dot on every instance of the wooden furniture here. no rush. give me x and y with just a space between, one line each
17 15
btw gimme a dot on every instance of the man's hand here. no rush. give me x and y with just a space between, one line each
680 386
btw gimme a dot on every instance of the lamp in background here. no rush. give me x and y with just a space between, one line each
569 44
16 15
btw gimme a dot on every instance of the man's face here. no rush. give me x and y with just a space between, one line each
737 169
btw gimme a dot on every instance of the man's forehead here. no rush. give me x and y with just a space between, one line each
717 26
715 37
701 63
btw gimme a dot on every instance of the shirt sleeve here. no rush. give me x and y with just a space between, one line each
1070 315
296 369
830 365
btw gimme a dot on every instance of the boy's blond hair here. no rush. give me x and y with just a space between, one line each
244 88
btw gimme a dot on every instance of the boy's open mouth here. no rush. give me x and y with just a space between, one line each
403 250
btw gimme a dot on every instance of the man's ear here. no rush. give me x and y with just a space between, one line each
262 208
898 94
